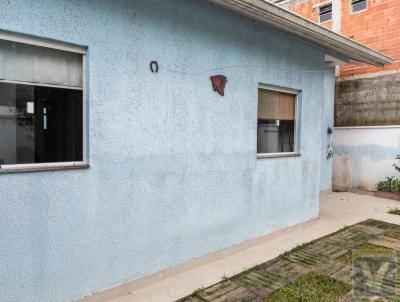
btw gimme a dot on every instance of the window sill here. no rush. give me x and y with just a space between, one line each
276 155
42 167
357 12
323 22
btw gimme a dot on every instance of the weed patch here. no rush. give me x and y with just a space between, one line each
395 211
311 287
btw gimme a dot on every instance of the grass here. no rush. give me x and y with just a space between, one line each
395 234
198 294
248 271
311 287
395 211
366 247
298 248
304 246
380 224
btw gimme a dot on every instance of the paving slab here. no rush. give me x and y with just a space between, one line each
320 256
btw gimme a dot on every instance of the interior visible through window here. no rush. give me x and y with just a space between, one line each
276 121
41 105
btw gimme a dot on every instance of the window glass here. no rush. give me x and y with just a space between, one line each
26 63
41 105
325 12
276 122
358 5
40 124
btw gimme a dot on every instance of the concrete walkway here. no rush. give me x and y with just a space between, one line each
336 211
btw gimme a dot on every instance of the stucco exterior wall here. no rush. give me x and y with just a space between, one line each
327 122
364 155
174 173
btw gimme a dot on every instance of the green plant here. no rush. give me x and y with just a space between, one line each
390 184
395 211
397 165
198 293
311 287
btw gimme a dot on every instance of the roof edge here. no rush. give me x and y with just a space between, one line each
298 26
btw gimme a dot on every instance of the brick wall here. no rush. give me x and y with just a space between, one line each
309 9
377 27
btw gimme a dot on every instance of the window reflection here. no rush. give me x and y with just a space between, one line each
39 124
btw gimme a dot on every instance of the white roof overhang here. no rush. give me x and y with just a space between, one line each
283 20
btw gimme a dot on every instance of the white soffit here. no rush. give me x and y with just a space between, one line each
275 16
336 61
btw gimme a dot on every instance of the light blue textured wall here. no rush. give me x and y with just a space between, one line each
364 156
174 173
327 121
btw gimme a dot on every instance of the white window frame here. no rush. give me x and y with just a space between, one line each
57 45
296 148
360 11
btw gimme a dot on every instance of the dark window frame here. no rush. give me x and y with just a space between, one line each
356 3
324 11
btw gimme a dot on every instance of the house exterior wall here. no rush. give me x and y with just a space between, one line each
365 95
327 122
364 155
173 173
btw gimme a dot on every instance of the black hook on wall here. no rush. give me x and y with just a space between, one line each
154 66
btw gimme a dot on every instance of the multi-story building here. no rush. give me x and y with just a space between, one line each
367 103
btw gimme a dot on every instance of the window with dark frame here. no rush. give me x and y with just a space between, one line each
358 5
325 12
276 121
41 105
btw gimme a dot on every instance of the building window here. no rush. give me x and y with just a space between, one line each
276 131
358 5
325 12
41 105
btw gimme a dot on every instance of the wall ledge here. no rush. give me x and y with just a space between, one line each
367 127
277 155
41 168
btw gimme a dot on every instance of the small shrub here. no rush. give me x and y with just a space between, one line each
395 211
397 165
198 293
390 184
